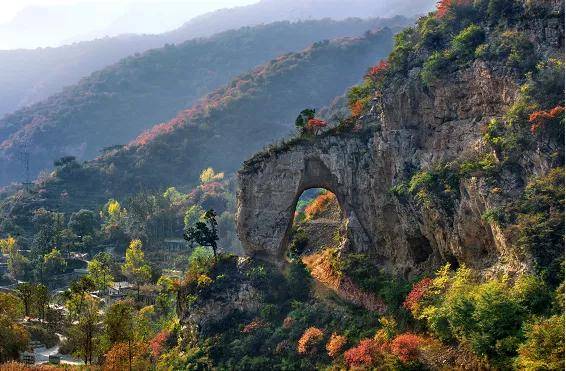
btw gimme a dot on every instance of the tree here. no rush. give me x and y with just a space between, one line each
16 261
25 292
120 328
85 332
83 222
13 336
42 297
135 268
209 175
302 120
53 262
309 341
204 233
100 269
77 294
193 215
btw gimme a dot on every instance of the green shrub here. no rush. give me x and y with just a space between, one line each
489 316
465 43
299 281
434 66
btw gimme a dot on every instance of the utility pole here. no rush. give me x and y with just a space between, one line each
25 157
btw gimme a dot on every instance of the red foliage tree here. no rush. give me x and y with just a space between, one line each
416 294
365 354
443 7
314 125
376 73
406 346
157 344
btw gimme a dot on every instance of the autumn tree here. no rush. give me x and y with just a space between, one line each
100 269
204 233
16 261
53 262
120 329
209 175
13 336
303 118
309 341
135 268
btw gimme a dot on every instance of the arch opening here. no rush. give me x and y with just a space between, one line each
317 223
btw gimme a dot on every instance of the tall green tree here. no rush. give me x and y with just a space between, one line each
135 268
100 269
25 291
84 335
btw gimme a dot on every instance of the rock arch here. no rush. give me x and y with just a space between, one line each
271 183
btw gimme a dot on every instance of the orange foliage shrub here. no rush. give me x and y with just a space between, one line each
118 357
376 73
335 344
416 294
540 118
406 346
357 108
319 204
308 343
365 354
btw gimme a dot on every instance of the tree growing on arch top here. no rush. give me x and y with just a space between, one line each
307 123
204 232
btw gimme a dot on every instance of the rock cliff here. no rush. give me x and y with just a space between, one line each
411 126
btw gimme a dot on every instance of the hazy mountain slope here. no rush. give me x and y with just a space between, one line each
221 131
27 76
112 106
267 11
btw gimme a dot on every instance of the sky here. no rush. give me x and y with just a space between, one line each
43 23
10 8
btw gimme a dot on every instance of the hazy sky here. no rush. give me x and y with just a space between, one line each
9 8
41 23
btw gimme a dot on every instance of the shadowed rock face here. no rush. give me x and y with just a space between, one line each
413 130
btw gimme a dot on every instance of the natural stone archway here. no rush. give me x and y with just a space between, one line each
410 129
269 191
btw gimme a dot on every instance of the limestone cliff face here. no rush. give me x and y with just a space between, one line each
415 128
411 127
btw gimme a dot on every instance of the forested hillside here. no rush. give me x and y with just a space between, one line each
28 76
220 131
113 105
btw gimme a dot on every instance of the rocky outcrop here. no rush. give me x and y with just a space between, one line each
413 128
206 302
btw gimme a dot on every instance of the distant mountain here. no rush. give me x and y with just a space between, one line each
27 76
267 11
115 104
221 131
